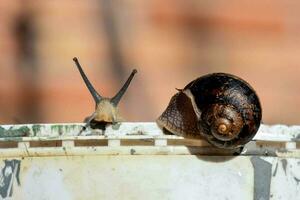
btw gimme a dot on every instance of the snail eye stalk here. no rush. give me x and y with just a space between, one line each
97 97
116 99
106 111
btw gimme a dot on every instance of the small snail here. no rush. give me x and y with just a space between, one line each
219 107
106 111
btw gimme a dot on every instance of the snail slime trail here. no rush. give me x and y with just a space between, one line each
106 109
220 107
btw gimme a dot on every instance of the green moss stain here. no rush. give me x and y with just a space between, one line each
23 131
16 131
62 129
70 128
57 128
36 128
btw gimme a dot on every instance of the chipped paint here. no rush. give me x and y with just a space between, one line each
275 171
262 178
9 173
132 151
296 138
116 126
284 185
284 164
297 180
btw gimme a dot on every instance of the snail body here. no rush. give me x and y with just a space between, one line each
219 107
106 111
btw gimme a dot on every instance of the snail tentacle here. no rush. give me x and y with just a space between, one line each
97 97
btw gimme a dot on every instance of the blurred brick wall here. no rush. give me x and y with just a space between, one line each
169 42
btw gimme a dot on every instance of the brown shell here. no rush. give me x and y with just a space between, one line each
207 104
180 118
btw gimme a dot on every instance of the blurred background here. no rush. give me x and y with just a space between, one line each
170 43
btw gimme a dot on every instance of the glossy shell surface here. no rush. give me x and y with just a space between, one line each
228 90
208 92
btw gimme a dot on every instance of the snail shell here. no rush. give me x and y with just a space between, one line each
222 108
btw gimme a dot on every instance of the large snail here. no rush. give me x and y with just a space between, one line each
106 111
219 107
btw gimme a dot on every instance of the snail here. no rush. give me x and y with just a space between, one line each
221 108
106 110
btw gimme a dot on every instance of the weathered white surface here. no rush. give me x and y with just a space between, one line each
265 133
151 177
285 182
275 140
136 161
134 177
278 133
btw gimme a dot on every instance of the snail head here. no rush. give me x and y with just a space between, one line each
106 108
